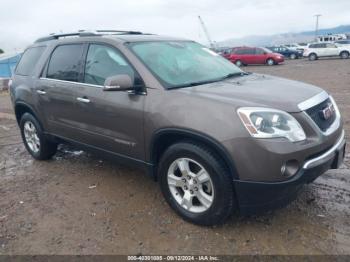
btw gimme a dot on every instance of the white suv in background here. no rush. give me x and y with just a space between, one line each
314 51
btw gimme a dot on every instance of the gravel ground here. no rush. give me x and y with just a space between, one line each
77 203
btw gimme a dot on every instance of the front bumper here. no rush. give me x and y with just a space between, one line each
255 197
279 59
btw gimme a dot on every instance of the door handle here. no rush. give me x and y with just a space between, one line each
83 100
41 92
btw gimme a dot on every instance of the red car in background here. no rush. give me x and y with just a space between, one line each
252 55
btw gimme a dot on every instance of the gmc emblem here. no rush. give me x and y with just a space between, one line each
327 112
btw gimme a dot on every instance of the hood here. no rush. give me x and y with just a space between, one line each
257 90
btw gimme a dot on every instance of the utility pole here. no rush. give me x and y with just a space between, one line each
206 32
316 29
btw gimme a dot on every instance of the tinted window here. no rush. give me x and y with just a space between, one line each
250 51
240 51
331 45
29 60
259 51
103 62
317 46
65 62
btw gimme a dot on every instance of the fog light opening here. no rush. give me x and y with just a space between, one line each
290 168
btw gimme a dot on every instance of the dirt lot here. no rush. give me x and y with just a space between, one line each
77 203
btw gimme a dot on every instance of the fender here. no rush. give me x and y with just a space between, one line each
198 136
33 111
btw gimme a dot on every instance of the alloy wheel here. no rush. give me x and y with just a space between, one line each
31 137
190 185
270 62
344 55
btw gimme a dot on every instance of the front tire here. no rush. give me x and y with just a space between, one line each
344 55
293 56
238 63
270 62
196 184
312 57
34 139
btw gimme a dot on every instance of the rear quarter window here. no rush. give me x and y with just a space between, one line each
29 60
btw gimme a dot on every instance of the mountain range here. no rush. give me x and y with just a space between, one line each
278 39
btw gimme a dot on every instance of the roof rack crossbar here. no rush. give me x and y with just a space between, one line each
87 33
119 31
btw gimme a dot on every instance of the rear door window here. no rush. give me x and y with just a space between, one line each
65 62
103 62
29 60
259 51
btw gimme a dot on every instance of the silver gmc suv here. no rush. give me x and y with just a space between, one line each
217 139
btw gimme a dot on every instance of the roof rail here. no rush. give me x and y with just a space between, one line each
82 33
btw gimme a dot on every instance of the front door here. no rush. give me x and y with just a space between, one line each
110 120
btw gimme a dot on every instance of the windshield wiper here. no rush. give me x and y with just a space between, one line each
198 83
236 74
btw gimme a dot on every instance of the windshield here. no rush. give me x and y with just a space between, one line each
183 63
266 50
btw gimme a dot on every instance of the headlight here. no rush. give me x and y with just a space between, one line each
271 123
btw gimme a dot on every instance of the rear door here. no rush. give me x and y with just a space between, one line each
56 89
109 120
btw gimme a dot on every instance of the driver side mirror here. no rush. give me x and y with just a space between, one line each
118 83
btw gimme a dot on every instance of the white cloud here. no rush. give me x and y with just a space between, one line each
21 22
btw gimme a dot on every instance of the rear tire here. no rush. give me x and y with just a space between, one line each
293 56
312 57
270 62
181 190
344 55
34 139
238 63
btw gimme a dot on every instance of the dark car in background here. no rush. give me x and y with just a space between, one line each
252 56
286 52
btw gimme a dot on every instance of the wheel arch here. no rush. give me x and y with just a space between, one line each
22 108
313 53
166 137
270 58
